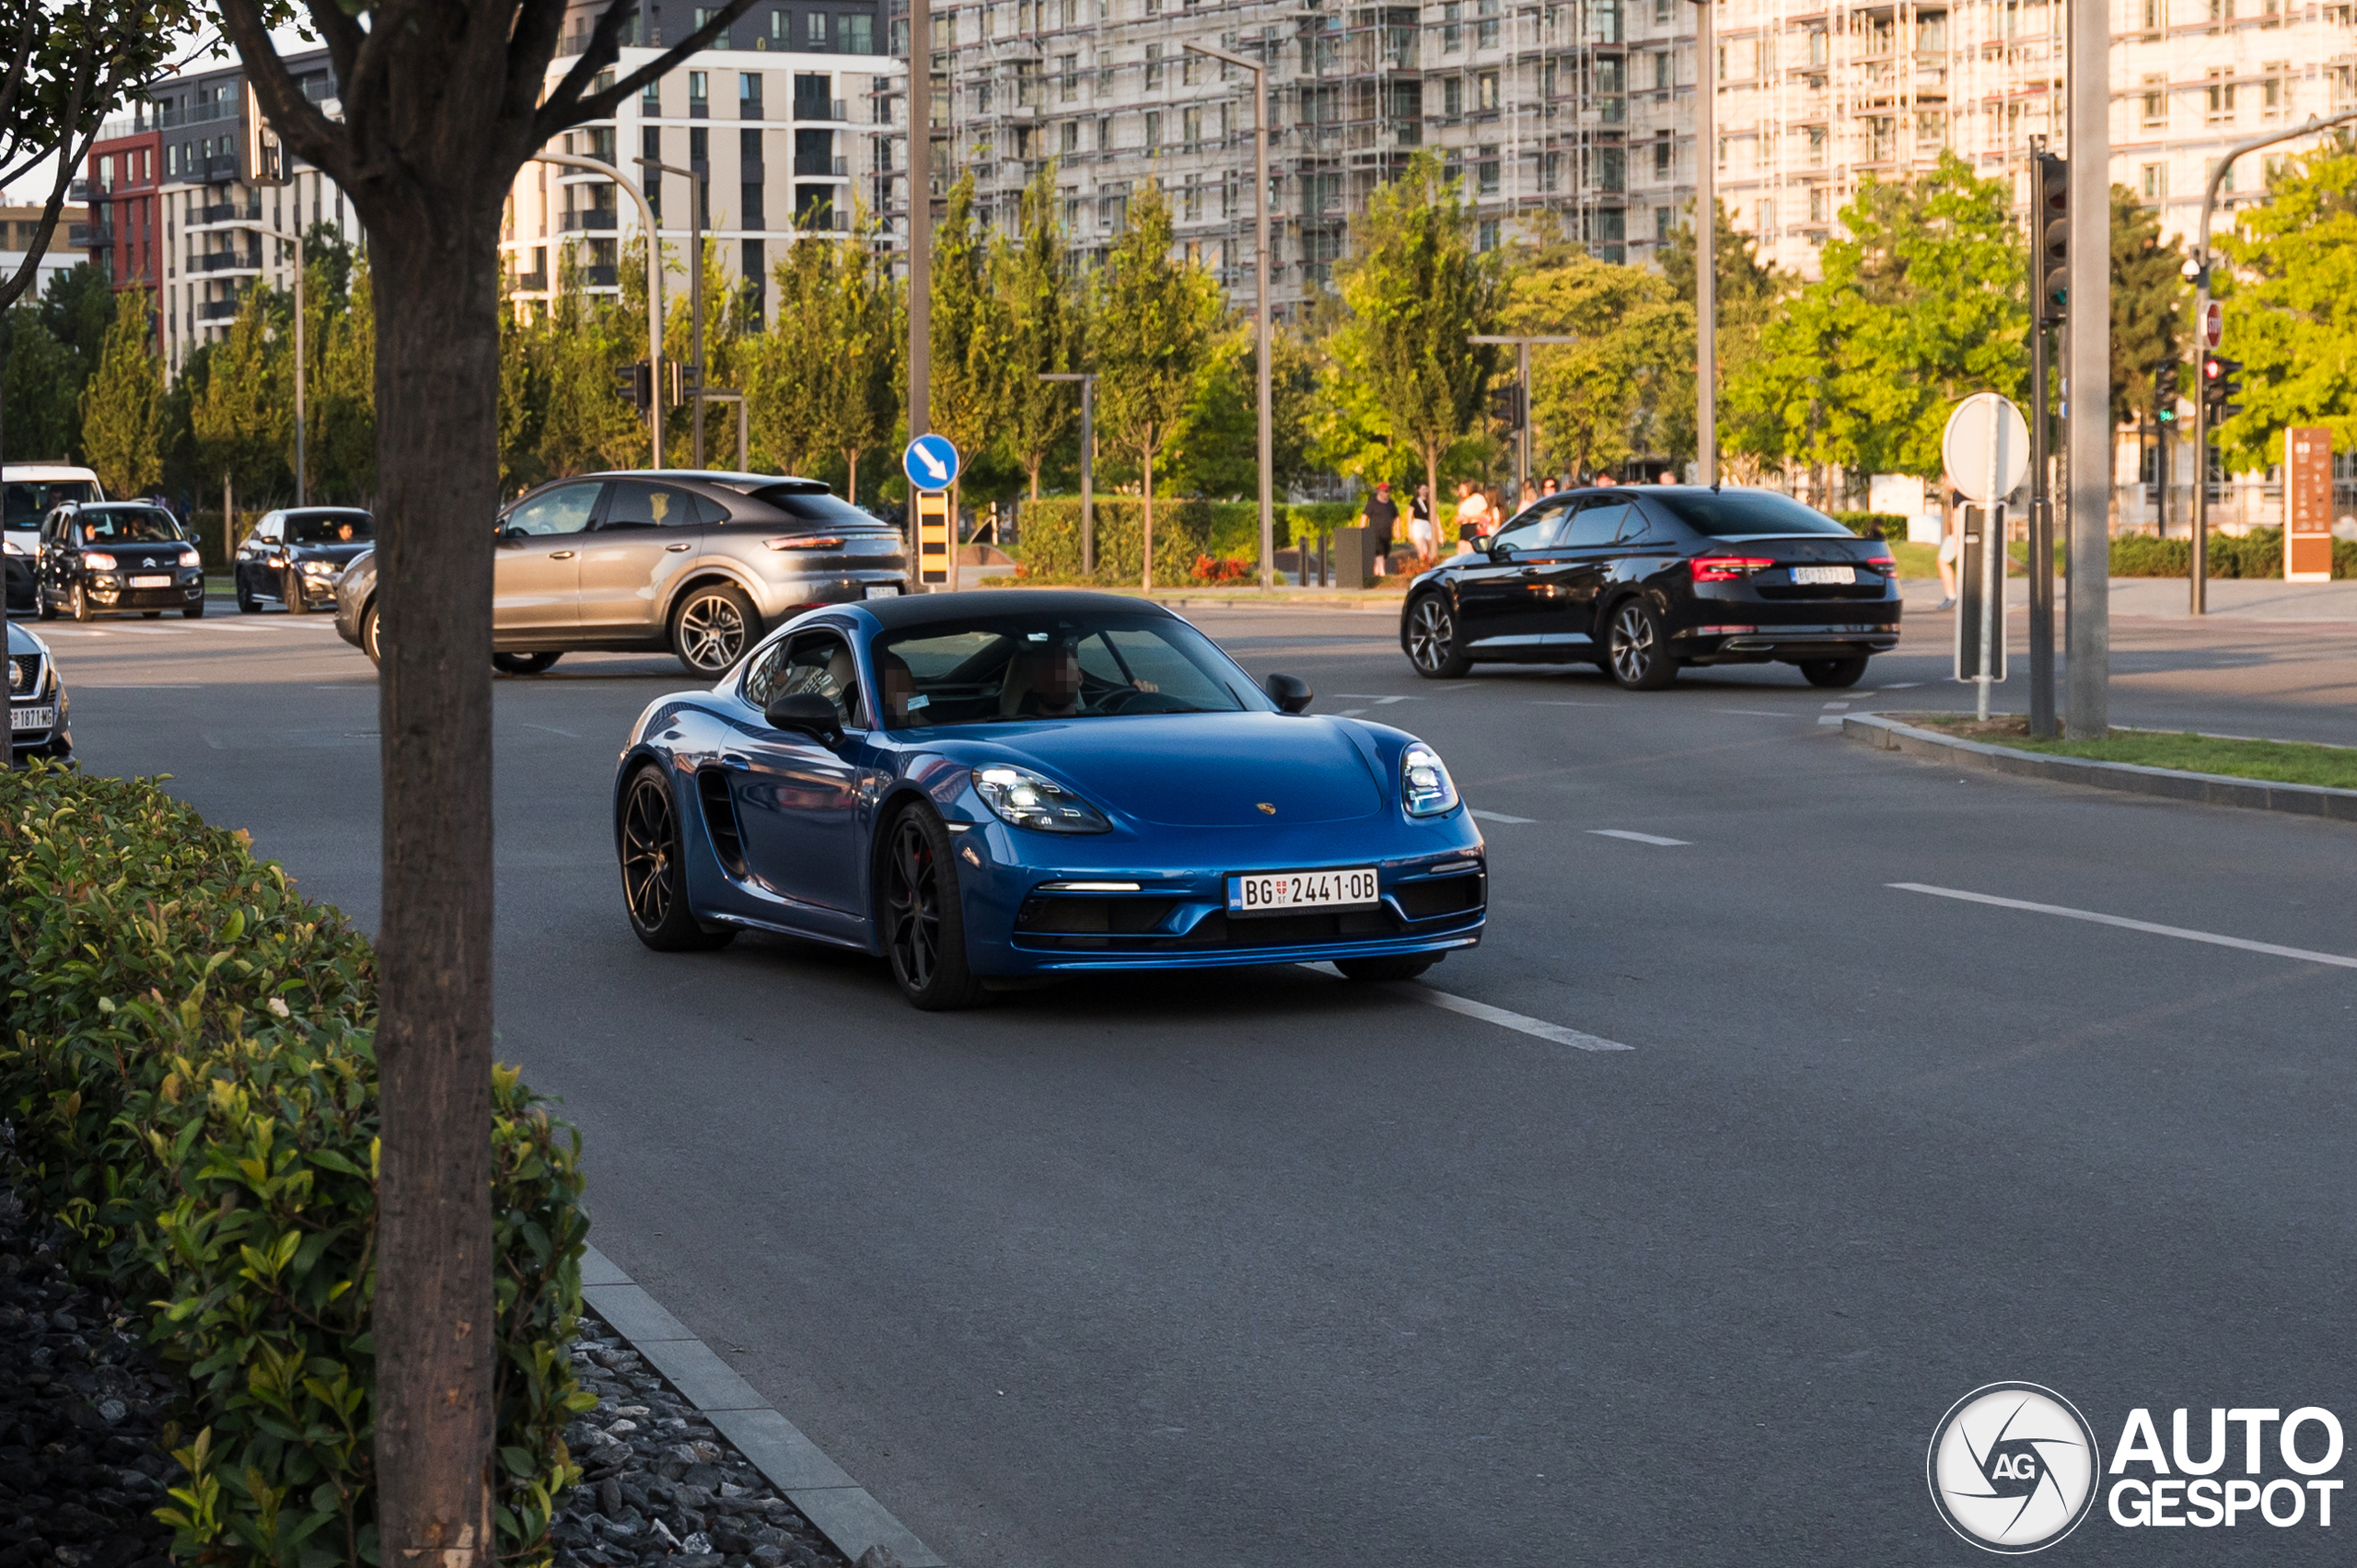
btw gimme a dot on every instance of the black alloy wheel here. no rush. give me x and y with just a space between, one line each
247 603
1835 671
1432 640
1636 652
925 926
654 881
522 664
369 643
291 590
1397 965
712 628
44 609
78 603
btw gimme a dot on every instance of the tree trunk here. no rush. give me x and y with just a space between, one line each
1035 478
438 467
1148 538
851 483
1431 488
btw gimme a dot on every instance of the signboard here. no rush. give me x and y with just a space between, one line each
2214 324
2307 503
933 537
930 463
1986 442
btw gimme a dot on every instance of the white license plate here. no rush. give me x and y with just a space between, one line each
1269 892
31 718
1825 574
886 590
161 581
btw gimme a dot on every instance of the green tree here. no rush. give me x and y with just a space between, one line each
1749 291
1416 293
1587 398
587 425
1154 317
1043 329
2291 291
2148 304
784 377
341 404
240 426
123 405
728 341
42 386
1222 444
970 331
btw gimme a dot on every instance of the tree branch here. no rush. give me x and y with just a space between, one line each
18 67
554 116
69 158
299 124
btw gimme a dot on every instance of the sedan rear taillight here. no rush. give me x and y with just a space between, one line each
806 541
1726 568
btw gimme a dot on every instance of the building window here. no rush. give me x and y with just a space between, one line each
1819 47
1763 219
650 145
1070 138
1452 29
1485 30
1485 171
1154 67
1105 133
1487 239
1190 207
1190 129
1662 145
2271 96
749 194
2271 14
2219 94
1485 92
2157 101
1663 80
699 93
1816 146
1152 131
814 30
1817 203
2220 12
1451 95
756 280
1068 77
1550 170
2154 182
2156 19
856 34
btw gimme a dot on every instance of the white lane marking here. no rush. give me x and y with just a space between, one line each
1638 838
1500 816
1542 704
1904 686
1835 707
1375 697
68 632
1349 712
1829 718
1465 1007
1758 713
138 686
566 733
2278 950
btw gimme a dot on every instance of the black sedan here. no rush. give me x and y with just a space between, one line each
292 557
1642 581
36 700
118 556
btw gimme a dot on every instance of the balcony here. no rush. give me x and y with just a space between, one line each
201 113
597 277
79 191
226 261
217 311
822 108
590 220
90 237
822 166
528 283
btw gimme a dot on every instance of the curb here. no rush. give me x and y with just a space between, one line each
840 1507
2169 784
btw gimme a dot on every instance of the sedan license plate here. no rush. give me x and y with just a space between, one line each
1819 575
884 590
161 581
1273 892
31 718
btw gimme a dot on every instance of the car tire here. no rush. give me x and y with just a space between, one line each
924 922
368 642
714 627
43 608
1834 671
78 605
1637 650
522 664
1432 640
194 612
291 590
1397 965
655 882
247 603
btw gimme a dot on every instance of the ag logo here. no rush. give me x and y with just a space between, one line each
2013 1468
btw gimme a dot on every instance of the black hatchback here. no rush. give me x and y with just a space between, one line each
1643 580
110 557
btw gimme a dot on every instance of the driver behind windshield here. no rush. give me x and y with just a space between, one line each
129 528
1043 681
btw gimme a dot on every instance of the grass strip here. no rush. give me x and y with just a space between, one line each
2277 762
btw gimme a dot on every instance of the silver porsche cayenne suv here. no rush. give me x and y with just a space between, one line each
697 562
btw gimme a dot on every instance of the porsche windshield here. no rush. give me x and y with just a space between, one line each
992 669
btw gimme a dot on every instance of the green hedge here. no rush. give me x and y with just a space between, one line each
1050 534
1873 525
191 1073
2259 553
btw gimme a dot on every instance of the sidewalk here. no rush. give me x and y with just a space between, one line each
2231 598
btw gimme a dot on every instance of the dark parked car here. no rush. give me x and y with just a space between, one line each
116 557
292 557
699 564
36 700
1642 581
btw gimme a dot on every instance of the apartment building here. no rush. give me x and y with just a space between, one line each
122 185
19 223
770 123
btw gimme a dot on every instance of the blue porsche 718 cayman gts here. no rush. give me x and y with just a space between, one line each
995 786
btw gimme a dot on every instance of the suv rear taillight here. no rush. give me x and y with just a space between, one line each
806 541
1726 568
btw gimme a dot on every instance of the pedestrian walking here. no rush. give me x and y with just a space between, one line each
1382 517
1951 545
1422 537
1472 507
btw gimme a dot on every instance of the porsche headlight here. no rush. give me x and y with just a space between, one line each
1425 788
1024 799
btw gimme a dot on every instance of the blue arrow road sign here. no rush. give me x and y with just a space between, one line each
931 462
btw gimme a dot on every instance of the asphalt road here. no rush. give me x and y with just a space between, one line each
1268 1269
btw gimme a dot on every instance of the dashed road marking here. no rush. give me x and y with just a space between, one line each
1836 707
2305 955
1378 697
1758 712
1562 704
1465 1007
1635 837
1901 686
1499 816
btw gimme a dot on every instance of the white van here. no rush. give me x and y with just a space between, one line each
27 491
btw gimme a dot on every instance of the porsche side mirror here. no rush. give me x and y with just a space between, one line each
805 712
1290 692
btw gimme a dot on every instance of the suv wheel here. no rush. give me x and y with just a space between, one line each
368 636
1834 671
78 603
712 628
1432 640
522 664
1636 651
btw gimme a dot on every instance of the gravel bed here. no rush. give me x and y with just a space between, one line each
82 1405
662 1488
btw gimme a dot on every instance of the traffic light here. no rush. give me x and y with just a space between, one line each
2164 378
2051 177
1505 406
636 383
2221 385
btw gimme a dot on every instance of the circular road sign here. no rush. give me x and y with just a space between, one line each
931 462
2214 324
1986 428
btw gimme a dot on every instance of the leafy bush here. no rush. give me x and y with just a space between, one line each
192 1075
1182 530
1873 525
2258 554
1228 569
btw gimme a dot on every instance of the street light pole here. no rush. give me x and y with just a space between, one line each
1706 245
1260 291
653 276
2198 267
695 303
920 220
2087 329
1087 473
1522 371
